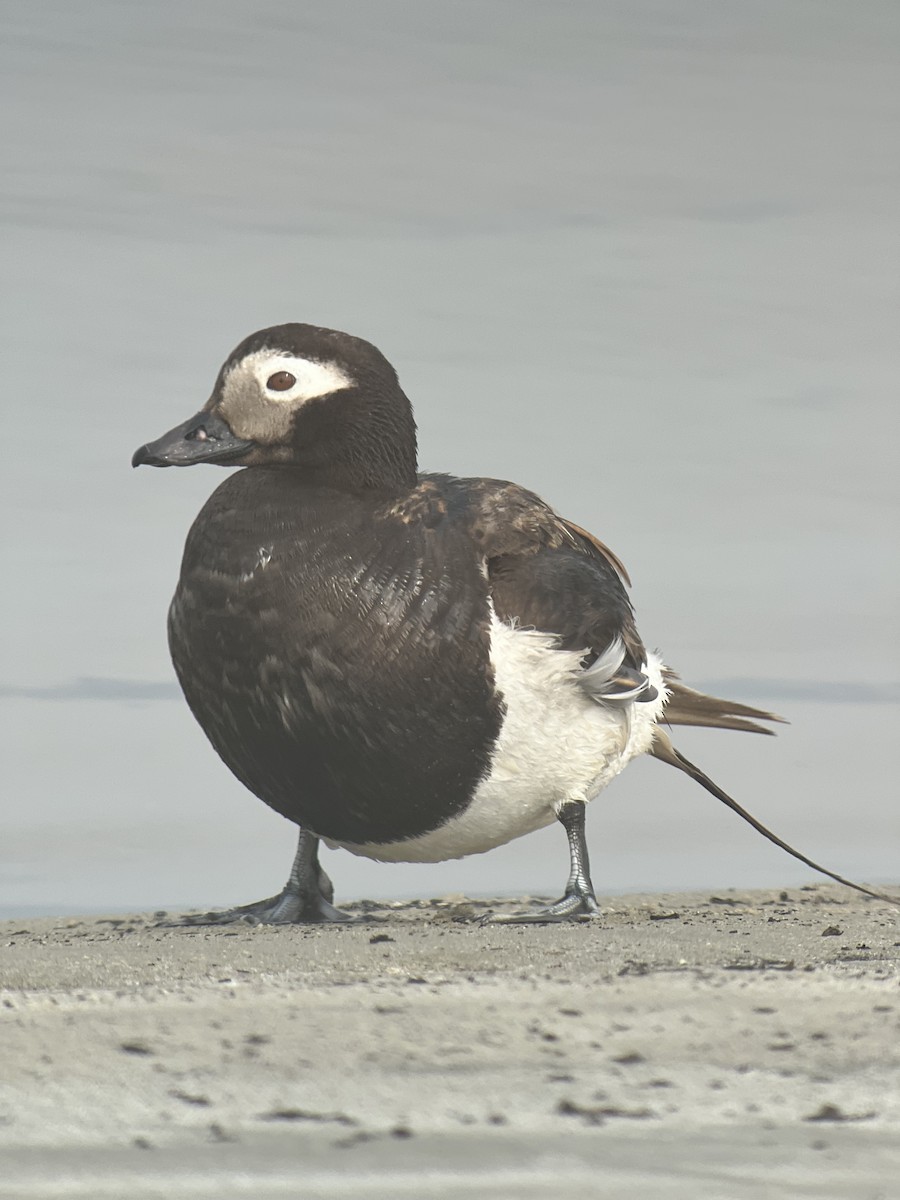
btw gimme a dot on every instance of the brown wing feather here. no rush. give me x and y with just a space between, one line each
603 550
533 554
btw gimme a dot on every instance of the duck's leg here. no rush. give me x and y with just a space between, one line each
306 898
578 903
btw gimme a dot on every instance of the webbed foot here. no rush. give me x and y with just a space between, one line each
579 903
287 908
571 907
306 898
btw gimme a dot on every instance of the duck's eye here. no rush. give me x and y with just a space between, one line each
281 381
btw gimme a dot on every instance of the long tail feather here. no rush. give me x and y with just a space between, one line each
686 706
664 750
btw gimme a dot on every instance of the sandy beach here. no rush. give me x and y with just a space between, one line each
739 1045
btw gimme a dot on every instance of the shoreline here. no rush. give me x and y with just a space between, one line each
737 1032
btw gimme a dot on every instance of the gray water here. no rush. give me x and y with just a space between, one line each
639 256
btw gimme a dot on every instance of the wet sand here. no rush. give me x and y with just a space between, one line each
743 1045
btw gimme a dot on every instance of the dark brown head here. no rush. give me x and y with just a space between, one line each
296 395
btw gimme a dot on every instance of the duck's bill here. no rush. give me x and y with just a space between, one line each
204 438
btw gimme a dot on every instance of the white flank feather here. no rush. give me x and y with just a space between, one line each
556 744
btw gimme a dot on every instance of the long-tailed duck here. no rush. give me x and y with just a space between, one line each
412 667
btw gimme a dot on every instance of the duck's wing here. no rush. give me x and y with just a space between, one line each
549 575
594 545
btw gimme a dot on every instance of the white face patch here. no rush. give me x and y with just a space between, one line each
273 372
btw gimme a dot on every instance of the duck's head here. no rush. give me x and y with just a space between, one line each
300 396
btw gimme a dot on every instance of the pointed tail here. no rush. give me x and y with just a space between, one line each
686 706
664 750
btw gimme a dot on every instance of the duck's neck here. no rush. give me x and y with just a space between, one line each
374 449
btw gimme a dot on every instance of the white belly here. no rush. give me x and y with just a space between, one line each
555 744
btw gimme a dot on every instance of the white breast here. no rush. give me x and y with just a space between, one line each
555 744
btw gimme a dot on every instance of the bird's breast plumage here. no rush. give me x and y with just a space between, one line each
336 656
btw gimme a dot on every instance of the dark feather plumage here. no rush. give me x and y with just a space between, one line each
302 617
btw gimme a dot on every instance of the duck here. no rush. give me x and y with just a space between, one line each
412 667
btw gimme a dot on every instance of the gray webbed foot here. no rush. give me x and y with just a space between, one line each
306 898
287 908
570 907
579 903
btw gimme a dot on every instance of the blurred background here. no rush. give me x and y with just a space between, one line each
639 256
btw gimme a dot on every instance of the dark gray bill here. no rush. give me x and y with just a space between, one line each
204 438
